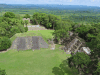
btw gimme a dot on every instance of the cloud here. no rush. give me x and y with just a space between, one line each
70 0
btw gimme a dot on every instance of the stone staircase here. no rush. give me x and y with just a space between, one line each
74 45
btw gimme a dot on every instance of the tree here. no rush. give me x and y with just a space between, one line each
14 30
26 22
2 31
43 19
5 43
27 16
94 45
61 32
36 17
82 31
80 61
17 16
52 19
95 55
4 28
7 19
9 14
8 24
2 72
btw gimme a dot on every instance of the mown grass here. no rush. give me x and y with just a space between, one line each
46 34
37 62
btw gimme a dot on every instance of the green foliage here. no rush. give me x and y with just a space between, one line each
27 16
0 19
11 26
49 21
39 18
26 29
2 72
34 21
83 32
62 32
9 14
17 29
82 17
17 16
15 22
53 19
22 22
7 19
97 72
36 15
79 61
95 46
87 32
2 31
14 30
5 43
26 22
21 28
81 58
4 27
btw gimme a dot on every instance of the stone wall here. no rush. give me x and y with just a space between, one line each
26 19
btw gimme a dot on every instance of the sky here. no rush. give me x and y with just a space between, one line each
61 2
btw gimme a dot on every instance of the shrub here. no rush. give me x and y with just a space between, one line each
5 43
27 16
21 28
2 72
9 14
26 29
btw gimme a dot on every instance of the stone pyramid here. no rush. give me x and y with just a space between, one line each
30 42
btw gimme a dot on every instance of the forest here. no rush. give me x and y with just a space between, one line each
86 23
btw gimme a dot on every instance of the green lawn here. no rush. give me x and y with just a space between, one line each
46 34
37 62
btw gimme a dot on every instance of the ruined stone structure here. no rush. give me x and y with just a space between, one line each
29 42
75 44
26 19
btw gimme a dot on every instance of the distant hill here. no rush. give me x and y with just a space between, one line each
52 7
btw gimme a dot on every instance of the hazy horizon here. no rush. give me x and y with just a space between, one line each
61 2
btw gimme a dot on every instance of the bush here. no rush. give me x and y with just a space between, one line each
9 14
27 16
2 72
26 29
5 43
21 28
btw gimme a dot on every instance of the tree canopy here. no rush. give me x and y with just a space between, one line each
9 14
27 16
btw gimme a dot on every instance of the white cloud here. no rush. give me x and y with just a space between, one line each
70 0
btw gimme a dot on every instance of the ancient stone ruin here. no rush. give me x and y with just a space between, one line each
30 42
51 42
74 44
26 19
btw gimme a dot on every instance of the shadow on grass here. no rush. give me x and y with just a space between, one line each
63 69
3 50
